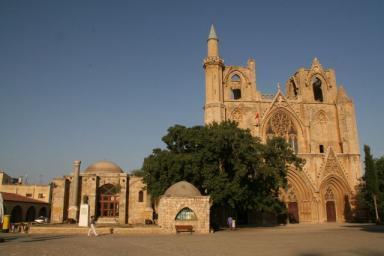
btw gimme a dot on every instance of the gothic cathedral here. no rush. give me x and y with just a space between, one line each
315 116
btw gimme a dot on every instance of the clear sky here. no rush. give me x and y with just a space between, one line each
95 80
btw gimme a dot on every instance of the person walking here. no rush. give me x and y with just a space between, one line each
92 226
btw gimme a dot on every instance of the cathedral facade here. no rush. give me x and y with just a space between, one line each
315 116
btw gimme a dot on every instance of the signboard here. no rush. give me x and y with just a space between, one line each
84 215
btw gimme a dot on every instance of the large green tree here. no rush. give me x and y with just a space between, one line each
372 190
222 161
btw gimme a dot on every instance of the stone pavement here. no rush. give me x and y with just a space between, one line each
302 240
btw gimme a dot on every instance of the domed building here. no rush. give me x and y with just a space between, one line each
112 195
182 205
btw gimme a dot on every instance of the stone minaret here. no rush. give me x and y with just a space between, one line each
214 96
73 211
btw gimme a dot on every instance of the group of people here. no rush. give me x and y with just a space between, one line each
231 223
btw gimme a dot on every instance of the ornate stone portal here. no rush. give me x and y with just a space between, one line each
316 117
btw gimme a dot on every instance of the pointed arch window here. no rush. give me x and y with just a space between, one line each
186 214
141 196
317 91
235 85
281 125
235 78
236 94
293 90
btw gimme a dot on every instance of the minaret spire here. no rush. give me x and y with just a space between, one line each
212 33
213 43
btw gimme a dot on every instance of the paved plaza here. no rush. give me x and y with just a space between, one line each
304 240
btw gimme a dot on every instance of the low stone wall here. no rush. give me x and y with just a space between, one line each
100 230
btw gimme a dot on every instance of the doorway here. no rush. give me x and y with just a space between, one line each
331 211
293 212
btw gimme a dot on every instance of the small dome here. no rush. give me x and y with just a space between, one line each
103 167
182 188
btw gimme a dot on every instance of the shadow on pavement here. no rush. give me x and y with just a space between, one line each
354 252
28 239
10 238
43 238
368 227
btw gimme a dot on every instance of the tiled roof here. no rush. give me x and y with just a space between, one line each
19 198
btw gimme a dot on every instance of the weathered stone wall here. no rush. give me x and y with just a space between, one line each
38 192
138 212
88 188
59 204
169 207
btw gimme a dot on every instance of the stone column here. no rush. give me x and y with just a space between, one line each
73 211
148 207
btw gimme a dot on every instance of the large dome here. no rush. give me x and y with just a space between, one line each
182 189
103 167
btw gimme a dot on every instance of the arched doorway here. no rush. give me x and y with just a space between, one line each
330 207
293 212
298 198
331 211
17 214
31 214
334 189
108 204
43 212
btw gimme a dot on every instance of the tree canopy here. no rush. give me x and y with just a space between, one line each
371 192
222 161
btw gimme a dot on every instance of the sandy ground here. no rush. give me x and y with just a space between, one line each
304 240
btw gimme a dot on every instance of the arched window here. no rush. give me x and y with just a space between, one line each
281 125
317 91
235 85
141 196
235 78
109 201
236 94
186 214
293 91
294 88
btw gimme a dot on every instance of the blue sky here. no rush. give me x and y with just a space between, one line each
94 80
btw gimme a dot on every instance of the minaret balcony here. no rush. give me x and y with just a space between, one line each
213 60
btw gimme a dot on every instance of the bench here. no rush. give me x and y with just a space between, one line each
184 228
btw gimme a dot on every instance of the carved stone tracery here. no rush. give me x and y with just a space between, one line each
291 195
331 165
236 115
280 123
329 196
